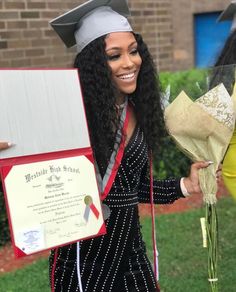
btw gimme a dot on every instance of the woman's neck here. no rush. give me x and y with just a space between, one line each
120 100
120 97
120 103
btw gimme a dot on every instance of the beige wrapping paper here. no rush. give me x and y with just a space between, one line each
203 130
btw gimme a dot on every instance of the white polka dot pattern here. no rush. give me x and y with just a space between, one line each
117 261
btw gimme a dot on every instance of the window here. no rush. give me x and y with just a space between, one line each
210 37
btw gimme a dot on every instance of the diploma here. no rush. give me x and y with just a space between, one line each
48 176
52 203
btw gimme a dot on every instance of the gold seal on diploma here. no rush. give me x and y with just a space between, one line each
88 200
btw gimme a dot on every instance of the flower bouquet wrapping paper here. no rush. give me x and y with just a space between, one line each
202 129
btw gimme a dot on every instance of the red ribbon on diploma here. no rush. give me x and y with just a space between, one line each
90 206
94 210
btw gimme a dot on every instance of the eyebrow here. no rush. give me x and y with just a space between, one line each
118 48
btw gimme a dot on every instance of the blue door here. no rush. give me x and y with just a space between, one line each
210 37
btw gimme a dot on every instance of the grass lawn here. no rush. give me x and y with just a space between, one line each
32 278
182 260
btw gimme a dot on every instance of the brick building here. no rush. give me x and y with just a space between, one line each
27 40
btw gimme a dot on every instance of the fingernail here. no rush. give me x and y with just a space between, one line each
210 162
10 144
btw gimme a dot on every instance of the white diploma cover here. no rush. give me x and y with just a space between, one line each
48 175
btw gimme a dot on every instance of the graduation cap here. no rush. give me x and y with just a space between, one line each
93 19
229 14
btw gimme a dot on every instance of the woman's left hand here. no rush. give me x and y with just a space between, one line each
191 182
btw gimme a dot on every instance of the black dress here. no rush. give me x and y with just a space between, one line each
117 261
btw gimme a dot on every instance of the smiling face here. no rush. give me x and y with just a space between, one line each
124 61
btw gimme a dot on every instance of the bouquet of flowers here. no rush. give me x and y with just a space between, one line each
202 129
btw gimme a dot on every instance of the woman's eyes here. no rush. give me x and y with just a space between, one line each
113 57
134 52
117 56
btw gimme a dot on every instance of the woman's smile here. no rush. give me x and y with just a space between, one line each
127 77
124 61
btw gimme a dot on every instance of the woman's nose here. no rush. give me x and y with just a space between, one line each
127 62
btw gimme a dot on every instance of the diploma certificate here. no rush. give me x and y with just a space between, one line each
48 175
52 203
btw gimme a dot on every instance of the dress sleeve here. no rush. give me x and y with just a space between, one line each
165 191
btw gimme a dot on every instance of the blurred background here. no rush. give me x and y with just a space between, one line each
181 34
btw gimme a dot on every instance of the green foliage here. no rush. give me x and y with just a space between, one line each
171 162
194 82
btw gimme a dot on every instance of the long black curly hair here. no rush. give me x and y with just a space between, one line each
224 68
228 54
99 98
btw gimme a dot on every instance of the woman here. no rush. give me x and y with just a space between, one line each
225 71
123 108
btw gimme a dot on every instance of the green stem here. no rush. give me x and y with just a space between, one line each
212 245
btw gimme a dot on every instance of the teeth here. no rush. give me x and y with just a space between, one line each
127 76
